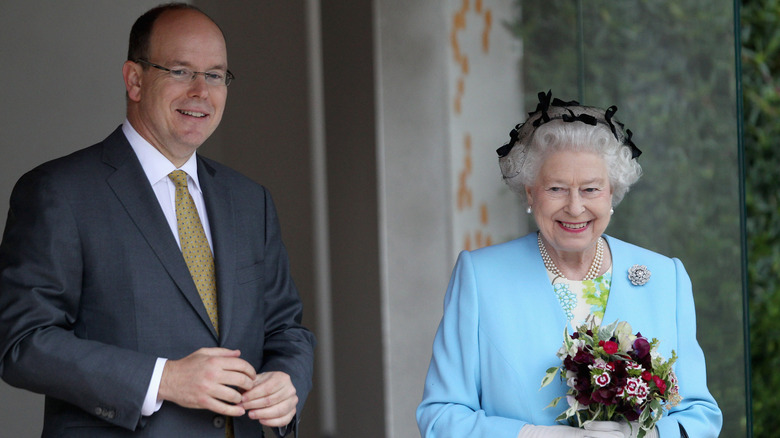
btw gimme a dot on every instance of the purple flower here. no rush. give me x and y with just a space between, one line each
583 356
605 396
641 347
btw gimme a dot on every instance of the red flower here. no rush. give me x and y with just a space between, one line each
610 347
659 382
646 376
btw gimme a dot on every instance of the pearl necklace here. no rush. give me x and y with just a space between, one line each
595 267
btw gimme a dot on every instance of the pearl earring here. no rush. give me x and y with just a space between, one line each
611 211
528 210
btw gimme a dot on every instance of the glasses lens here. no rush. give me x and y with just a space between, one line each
182 74
214 79
186 75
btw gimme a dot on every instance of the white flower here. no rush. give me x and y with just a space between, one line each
625 337
636 388
602 379
573 349
634 366
573 403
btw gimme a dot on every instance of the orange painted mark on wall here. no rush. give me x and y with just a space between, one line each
486 32
465 200
481 15
461 59
465 194
479 237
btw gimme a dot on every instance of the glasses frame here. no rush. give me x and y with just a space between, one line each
228 75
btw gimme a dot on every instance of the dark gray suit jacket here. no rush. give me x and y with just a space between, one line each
93 288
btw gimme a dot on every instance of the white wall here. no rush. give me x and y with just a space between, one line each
414 192
420 163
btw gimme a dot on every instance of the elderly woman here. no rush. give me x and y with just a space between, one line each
507 305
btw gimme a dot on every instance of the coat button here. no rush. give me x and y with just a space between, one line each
218 421
99 411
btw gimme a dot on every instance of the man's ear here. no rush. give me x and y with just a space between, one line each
132 72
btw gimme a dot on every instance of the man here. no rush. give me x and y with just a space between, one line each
145 289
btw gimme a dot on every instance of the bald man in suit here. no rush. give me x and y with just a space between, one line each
100 308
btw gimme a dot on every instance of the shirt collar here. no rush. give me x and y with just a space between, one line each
155 165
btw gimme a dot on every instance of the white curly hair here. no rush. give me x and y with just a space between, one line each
568 126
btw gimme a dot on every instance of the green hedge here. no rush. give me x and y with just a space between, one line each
760 22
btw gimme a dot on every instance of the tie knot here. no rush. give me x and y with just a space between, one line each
179 177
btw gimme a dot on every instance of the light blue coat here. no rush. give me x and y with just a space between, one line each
502 326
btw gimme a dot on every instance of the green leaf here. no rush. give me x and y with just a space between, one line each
549 376
554 402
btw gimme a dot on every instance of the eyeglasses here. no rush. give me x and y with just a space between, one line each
183 74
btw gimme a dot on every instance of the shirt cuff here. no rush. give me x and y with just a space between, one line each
151 404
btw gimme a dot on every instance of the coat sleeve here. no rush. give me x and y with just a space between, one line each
698 412
40 290
450 407
288 345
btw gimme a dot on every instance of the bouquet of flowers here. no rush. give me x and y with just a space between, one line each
614 375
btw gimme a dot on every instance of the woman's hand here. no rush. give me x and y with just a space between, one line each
531 431
628 430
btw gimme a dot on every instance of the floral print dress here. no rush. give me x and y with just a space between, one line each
578 299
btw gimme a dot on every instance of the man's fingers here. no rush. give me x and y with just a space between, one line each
210 378
275 416
256 399
220 407
273 382
273 400
217 351
269 389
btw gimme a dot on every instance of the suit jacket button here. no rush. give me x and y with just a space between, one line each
218 421
99 411
111 414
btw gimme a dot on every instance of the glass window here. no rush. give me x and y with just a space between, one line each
669 66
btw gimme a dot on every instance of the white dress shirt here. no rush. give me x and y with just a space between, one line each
157 167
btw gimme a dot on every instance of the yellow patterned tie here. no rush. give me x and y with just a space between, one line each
194 246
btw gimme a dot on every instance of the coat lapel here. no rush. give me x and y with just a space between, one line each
219 204
619 286
538 280
626 301
132 188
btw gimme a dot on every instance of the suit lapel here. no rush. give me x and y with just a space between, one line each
132 188
219 205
